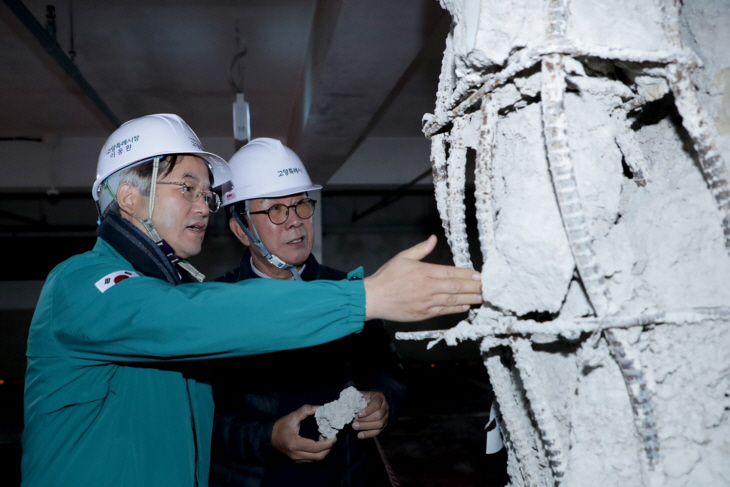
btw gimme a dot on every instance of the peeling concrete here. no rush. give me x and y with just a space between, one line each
602 138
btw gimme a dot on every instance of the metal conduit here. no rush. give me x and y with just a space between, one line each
54 49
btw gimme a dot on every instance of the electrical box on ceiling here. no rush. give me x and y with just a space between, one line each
241 119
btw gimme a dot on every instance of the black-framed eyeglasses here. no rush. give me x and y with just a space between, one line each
192 193
279 213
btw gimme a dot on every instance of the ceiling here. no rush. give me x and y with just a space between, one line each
321 75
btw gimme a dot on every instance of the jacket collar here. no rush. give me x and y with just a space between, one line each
245 270
139 250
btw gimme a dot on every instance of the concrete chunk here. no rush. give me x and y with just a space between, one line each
334 415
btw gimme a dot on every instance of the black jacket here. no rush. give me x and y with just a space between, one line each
252 393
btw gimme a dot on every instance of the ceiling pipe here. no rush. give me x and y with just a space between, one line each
54 49
391 197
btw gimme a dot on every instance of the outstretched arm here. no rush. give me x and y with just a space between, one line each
405 289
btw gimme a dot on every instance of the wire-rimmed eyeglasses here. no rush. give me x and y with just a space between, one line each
192 193
279 213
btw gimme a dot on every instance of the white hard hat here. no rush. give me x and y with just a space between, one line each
266 168
146 137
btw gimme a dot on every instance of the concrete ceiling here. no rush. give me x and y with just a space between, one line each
321 75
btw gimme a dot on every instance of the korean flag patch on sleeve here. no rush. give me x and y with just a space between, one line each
109 280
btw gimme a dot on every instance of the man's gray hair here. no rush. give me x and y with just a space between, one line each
138 176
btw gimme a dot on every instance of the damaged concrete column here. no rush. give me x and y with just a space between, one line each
603 210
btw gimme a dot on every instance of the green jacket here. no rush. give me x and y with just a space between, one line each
111 393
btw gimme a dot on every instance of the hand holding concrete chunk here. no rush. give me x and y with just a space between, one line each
334 415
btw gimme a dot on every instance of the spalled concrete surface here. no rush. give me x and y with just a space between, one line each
597 133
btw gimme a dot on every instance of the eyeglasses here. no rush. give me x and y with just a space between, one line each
279 213
192 193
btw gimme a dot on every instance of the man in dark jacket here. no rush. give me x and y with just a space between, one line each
264 430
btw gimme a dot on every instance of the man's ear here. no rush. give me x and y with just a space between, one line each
130 201
238 232
128 198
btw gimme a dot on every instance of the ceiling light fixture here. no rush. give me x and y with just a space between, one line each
241 114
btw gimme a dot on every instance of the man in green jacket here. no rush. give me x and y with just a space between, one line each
115 394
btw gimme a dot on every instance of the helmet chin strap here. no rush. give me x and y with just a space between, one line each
256 240
152 231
